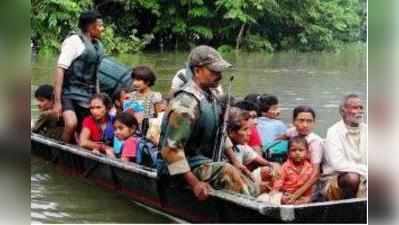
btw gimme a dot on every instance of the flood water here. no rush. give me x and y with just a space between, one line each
316 79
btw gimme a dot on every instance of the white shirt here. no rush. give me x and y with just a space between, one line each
246 154
342 154
71 48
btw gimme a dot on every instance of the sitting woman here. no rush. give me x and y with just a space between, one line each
295 173
97 128
125 126
304 118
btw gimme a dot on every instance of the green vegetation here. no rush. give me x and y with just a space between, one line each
254 25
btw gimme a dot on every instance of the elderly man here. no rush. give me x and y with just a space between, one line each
346 152
190 128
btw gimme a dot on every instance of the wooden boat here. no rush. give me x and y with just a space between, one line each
141 184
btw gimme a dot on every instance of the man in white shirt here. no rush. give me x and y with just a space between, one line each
346 152
76 73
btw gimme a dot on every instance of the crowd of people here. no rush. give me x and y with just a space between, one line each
263 156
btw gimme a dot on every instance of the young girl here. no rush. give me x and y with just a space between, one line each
143 79
97 129
125 126
294 173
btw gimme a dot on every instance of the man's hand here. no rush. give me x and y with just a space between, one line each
201 190
57 108
245 171
275 165
58 84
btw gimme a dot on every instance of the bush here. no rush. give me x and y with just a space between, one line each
225 49
258 43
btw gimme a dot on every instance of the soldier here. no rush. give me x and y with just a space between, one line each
76 80
190 127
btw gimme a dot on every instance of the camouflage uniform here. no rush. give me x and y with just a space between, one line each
188 137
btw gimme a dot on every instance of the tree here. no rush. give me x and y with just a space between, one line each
268 25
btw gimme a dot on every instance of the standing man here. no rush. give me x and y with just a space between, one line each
346 152
183 76
76 73
190 128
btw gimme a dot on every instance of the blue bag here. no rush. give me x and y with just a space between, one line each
117 146
276 151
147 153
136 106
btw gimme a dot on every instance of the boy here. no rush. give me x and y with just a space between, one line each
48 124
269 126
294 173
243 156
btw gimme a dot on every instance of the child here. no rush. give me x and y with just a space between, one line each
161 107
243 156
294 174
254 138
125 126
143 79
97 128
48 124
269 126
118 98
304 118
154 130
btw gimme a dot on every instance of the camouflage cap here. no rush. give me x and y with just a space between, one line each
204 55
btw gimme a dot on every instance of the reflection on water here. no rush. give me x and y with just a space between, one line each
316 79
59 199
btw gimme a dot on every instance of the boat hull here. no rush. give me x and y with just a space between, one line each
141 184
